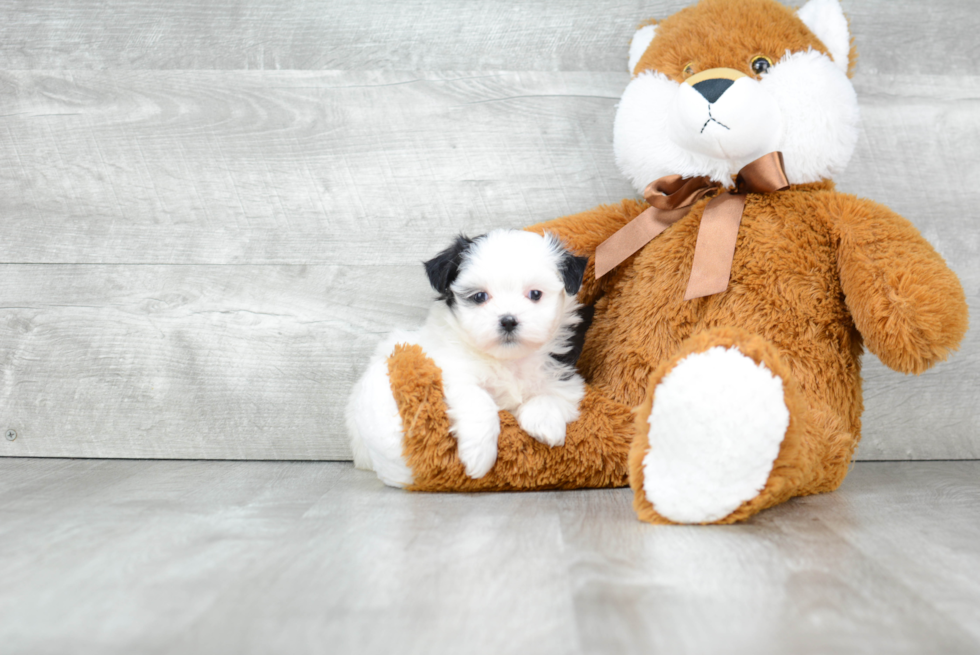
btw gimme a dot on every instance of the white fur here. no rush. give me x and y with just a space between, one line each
641 135
821 115
717 423
805 107
741 126
484 371
639 44
373 422
826 20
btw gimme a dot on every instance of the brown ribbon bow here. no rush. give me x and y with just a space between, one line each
670 199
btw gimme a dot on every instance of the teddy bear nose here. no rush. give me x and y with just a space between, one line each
713 89
508 323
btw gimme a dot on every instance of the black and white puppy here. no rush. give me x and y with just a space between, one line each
501 331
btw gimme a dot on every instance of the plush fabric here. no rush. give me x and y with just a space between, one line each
727 34
594 454
817 276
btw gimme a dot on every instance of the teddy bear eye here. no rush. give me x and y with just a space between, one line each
534 295
761 64
689 70
479 297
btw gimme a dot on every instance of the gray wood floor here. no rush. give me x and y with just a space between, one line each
124 556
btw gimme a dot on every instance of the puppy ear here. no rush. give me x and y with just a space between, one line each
572 270
444 267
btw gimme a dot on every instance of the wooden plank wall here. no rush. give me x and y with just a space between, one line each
211 211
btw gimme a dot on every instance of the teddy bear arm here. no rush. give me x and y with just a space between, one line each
594 454
583 232
906 302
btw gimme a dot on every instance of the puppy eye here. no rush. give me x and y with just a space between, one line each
534 295
479 297
761 64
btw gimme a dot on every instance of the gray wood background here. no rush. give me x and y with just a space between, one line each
211 211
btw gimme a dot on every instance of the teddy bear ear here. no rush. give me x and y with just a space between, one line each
641 41
826 20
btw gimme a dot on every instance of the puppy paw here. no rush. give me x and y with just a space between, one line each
476 426
476 443
542 418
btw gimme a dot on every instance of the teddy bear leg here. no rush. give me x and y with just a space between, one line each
726 432
594 455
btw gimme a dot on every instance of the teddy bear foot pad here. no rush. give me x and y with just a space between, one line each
715 429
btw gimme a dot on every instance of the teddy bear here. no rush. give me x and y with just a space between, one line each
732 305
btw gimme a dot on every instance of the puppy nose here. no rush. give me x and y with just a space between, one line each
713 82
508 323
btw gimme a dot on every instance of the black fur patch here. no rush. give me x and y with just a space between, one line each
586 313
572 270
444 267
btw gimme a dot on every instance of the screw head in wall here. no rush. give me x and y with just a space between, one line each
11 435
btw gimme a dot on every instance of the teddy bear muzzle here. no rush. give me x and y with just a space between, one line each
713 83
726 115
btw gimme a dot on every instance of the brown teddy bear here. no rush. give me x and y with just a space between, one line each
733 306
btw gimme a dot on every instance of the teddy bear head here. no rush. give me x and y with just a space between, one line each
723 82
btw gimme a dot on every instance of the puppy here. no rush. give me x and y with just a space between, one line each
503 332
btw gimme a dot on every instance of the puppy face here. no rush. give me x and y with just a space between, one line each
722 83
507 290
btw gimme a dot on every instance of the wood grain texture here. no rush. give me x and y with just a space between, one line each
256 362
235 172
197 257
377 168
292 167
894 37
225 362
257 557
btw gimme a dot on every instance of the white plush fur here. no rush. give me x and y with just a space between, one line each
641 40
820 116
483 369
717 423
741 126
826 20
805 107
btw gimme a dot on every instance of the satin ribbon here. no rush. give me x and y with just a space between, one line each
671 198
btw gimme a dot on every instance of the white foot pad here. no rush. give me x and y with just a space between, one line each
717 423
